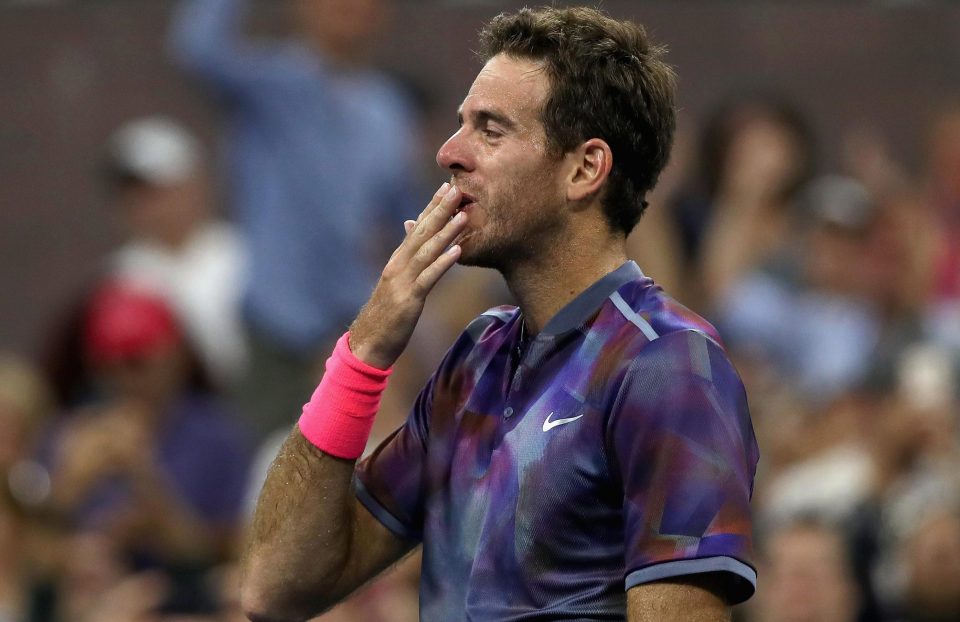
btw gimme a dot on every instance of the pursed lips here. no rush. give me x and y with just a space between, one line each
466 198
465 201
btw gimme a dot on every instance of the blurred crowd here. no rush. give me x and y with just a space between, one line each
132 453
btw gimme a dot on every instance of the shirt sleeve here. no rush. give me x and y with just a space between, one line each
206 38
684 447
391 482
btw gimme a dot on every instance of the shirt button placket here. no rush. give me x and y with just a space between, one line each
508 412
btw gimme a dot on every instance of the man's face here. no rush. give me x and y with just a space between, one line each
513 188
167 214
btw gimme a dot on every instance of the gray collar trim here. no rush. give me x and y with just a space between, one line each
581 308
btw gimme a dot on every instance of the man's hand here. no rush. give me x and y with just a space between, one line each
382 330
312 543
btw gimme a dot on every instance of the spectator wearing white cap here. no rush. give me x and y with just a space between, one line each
155 170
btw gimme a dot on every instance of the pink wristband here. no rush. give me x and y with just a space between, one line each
339 415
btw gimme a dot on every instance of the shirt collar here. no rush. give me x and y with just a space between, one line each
581 308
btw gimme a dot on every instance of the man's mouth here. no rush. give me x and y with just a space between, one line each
465 201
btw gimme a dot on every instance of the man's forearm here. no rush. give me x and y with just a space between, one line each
301 536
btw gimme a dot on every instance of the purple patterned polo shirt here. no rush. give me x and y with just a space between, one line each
614 450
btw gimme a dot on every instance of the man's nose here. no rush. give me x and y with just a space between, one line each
454 155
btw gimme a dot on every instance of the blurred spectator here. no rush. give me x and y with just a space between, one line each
94 583
896 276
756 151
13 587
25 404
866 156
322 163
886 460
159 185
155 464
809 316
915 445
943 179
829 472
944 187
931 558
808 576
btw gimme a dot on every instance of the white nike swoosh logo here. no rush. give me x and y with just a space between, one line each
547 424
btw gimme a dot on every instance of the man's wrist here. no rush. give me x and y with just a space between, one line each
339 416
367 353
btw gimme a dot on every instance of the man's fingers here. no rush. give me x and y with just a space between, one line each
429 277
429 225
440 212
410 225
434 201
437 243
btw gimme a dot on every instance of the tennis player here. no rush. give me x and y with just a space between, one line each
586 456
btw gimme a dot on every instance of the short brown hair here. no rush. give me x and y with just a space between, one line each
607 80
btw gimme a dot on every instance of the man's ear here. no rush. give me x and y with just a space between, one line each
591 164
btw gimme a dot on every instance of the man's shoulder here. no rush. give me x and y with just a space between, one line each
657 314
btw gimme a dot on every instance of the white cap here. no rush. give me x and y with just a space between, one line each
927 376
154 149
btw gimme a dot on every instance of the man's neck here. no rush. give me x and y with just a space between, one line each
545 286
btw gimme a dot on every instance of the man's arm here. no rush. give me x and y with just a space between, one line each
681 437
312 543
697 598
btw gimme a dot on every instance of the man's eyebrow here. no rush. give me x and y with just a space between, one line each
481 117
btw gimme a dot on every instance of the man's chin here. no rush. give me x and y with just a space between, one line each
475 262
478 257
469 255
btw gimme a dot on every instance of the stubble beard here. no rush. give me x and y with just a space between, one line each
502 245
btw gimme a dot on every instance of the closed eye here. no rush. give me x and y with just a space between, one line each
490 123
